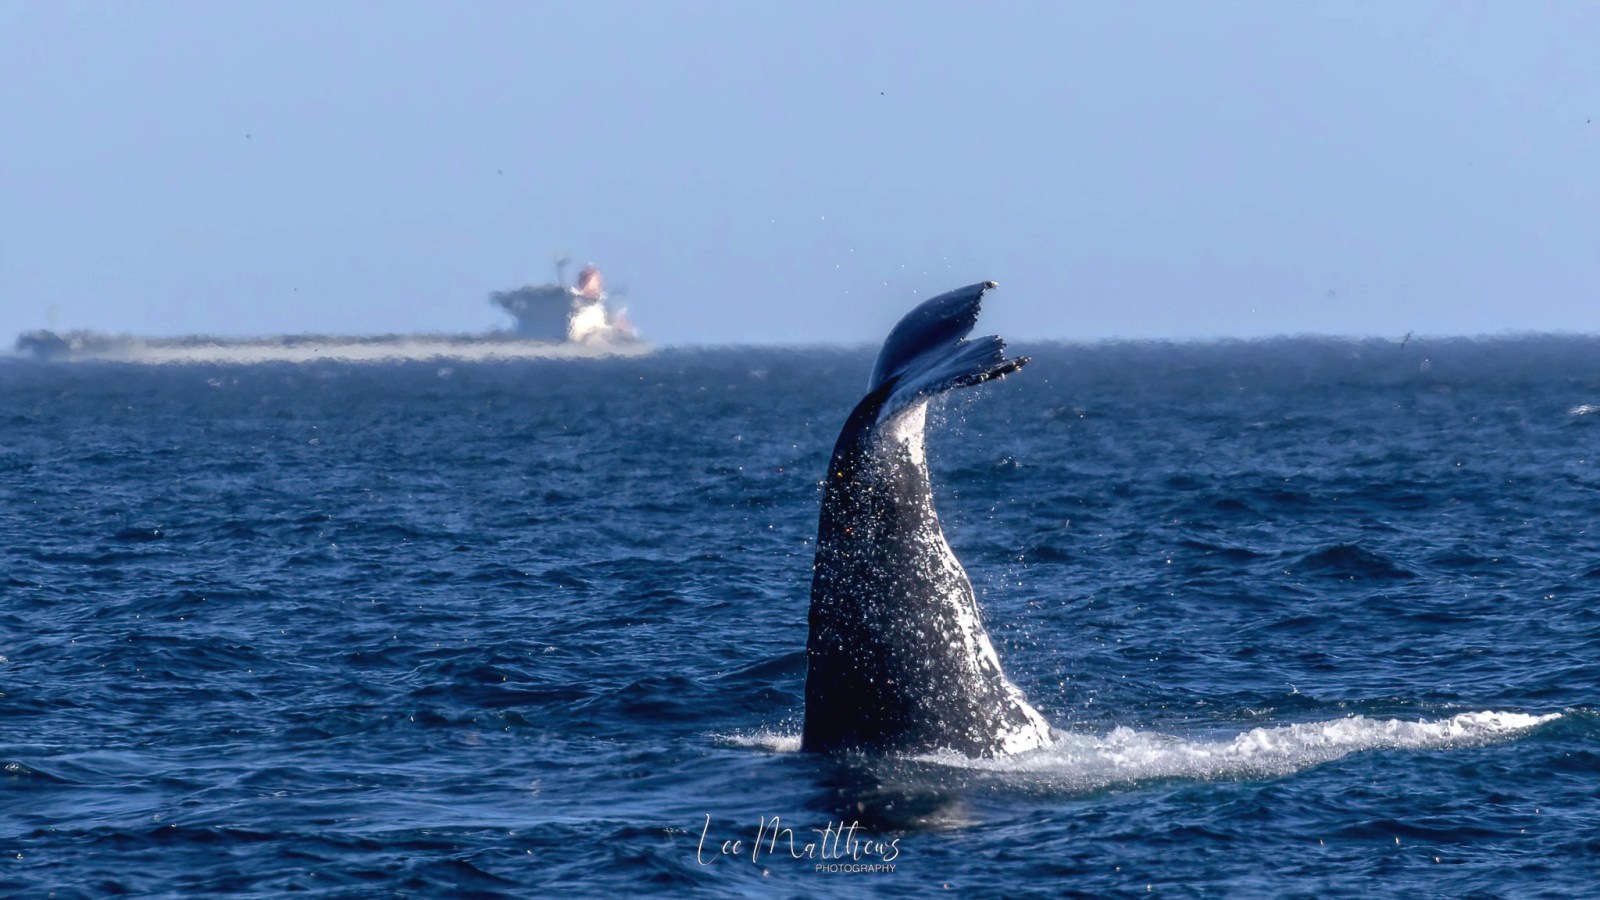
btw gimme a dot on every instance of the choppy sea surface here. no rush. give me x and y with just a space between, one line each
1314 618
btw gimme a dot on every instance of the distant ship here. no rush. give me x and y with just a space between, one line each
552 321
578 314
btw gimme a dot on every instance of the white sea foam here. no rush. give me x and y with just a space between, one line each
1077 762
765 739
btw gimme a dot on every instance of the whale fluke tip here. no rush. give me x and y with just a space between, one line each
990 285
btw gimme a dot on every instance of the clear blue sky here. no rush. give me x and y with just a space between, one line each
801 172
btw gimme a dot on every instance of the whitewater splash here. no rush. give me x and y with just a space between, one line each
1082 762
1075 763
763 739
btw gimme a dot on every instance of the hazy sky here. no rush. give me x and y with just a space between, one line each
802 172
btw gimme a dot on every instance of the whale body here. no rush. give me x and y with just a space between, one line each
897 659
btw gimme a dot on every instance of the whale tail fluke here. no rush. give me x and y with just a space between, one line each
927 352
932 326
897 658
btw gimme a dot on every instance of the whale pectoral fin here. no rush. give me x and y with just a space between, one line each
934 325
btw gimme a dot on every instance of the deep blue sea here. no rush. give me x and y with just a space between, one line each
1316 618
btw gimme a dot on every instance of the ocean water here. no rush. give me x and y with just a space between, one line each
1314 618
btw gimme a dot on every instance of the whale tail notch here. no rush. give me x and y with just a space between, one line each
928 353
